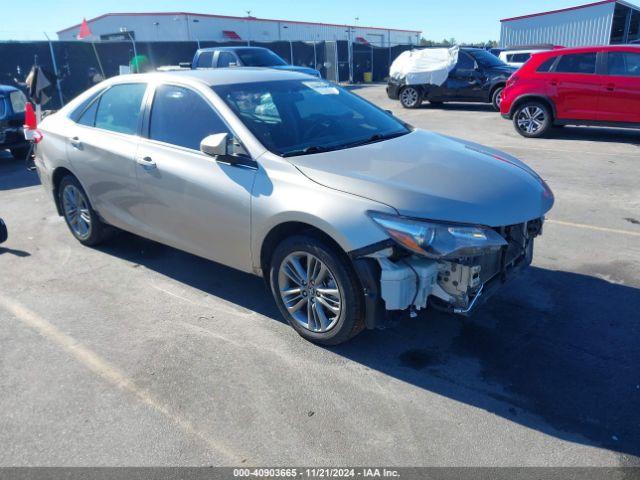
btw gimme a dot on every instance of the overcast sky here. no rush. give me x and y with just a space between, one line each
466 21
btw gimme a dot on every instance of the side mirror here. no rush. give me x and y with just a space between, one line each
215 145
389 112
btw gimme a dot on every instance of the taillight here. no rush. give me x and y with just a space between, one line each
513 79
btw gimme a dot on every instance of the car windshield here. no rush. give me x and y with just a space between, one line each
487 59
298 117
259 57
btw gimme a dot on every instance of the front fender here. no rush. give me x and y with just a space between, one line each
282 194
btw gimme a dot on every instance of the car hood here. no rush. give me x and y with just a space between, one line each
430 176
293 68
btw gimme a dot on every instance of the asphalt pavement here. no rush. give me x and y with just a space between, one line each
134 353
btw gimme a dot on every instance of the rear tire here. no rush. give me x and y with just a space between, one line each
411 97
532 119
496 98
316 290
82 220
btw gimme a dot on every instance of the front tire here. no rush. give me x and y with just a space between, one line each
532 119
82 220
496 98
4 233
411 97
316 290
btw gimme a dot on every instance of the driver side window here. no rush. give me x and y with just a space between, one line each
180 116
465 62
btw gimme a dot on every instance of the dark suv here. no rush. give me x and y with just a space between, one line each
477 77
12 105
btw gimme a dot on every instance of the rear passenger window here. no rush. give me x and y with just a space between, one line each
225 59
546 65
521 57
205 60
624 64
577 63
180 116
88 117
119 108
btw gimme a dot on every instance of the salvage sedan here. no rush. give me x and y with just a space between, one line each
347 212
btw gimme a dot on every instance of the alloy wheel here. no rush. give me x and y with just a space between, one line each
409 96
309 292
531 119
76 211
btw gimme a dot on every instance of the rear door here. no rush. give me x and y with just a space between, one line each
576 87
192 201
621 94
101 148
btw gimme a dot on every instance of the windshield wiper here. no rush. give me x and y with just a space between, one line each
307 151
376 137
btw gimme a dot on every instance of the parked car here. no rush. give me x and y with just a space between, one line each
4 234
517 58
477 77
575 86
12 106
346 211
223 57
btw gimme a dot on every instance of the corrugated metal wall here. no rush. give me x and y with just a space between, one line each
583 26
153 27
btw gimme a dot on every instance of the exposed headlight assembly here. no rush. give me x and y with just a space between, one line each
439 240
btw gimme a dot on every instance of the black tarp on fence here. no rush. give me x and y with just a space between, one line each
77 61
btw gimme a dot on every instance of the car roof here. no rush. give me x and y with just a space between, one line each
597 48
7 89
216 76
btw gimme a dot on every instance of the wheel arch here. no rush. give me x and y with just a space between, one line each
287 229
535 97
56 177
496 86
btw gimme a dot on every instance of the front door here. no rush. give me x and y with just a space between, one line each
621 89
576 87
193 202
465 80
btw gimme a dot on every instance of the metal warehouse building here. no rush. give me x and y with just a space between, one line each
601 23
183 26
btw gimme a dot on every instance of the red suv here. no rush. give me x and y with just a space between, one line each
575 86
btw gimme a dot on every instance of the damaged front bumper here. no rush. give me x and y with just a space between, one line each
396 281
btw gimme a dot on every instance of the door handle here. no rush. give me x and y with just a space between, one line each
75 142
554 83
146 162
611 87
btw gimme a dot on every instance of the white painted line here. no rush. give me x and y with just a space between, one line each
593 227
113 375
